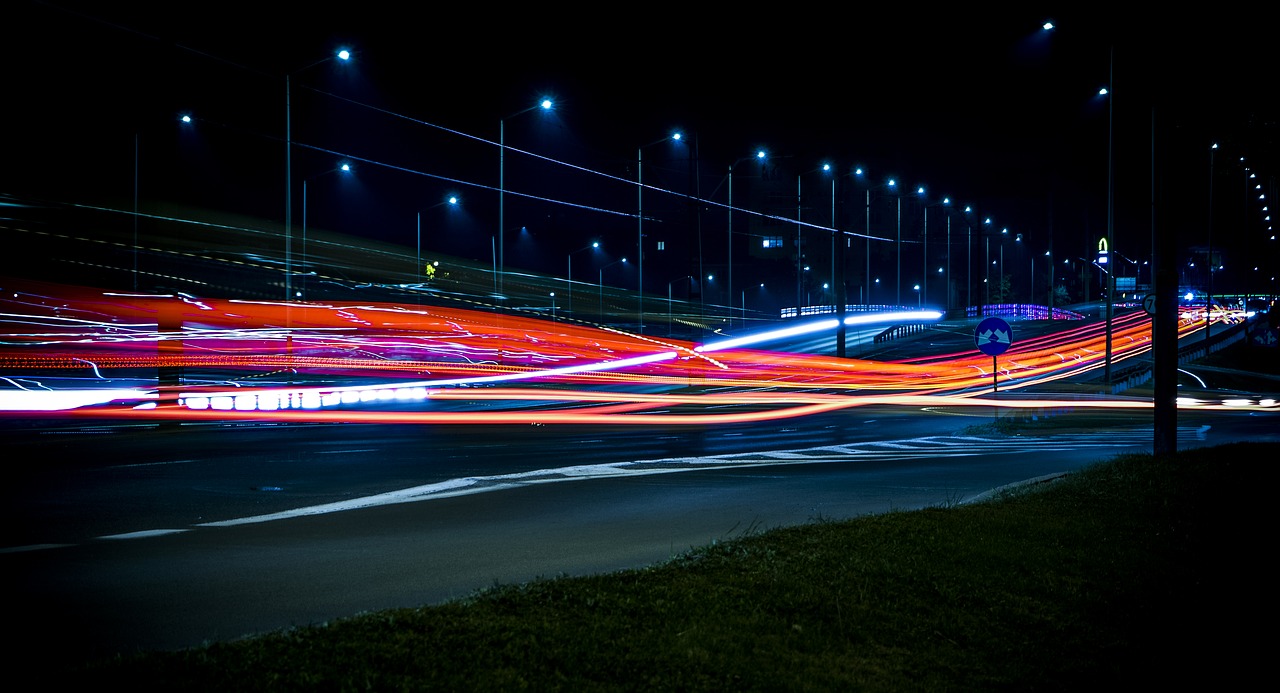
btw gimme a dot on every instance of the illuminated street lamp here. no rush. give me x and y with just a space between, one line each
759 156
452 200
675 137
545 105
893 185
825 168
594 245
343 167
341 55
600 286
946 202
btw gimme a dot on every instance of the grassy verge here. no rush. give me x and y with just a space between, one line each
1137 570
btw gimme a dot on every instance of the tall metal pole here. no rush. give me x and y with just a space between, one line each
1111 249
899 282
866 278
502 223
729 270
640 235
1208 301
798 249
288 197
837 272
924 279
948 277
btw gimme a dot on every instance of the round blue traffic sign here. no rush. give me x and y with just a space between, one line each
993 336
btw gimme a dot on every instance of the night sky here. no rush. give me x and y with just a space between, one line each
982 106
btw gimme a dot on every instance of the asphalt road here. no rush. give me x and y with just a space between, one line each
173 578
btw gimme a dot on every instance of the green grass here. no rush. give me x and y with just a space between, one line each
1133 571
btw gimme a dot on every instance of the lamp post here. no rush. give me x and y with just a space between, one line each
1111 280
946 201
342 55
545 105
675 136
594 245
1208 300
866 279
345 168
759 155
600 286
669 285
826 168
452 200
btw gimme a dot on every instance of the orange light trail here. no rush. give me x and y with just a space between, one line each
267 360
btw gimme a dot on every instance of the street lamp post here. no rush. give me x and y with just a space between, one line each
344 56
640 223
600 285
866 279
594 245
345 168
545 105
417 271
799 238
1111 281
946 201
759 155
669 285
1208 305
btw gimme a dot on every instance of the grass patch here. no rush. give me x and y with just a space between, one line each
1134 571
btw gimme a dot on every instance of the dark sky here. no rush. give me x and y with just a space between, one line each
978 104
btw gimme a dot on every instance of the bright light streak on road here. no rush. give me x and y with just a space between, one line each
99 354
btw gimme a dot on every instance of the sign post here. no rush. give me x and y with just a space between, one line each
993 336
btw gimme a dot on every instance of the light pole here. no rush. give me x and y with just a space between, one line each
946 201
545 105
675 136
669 285
345 168
594 245
342 55
1111 280
760 155
1208 300
452 200
866 279
600 286
826 168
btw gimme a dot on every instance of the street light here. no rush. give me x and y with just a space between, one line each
545 105
343 167
1208 305
594 245
675 136
759 156
866 279
825 168
669 284
344 56
601 284
452 200
946 201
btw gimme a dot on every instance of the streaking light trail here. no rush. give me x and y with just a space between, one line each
77 352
